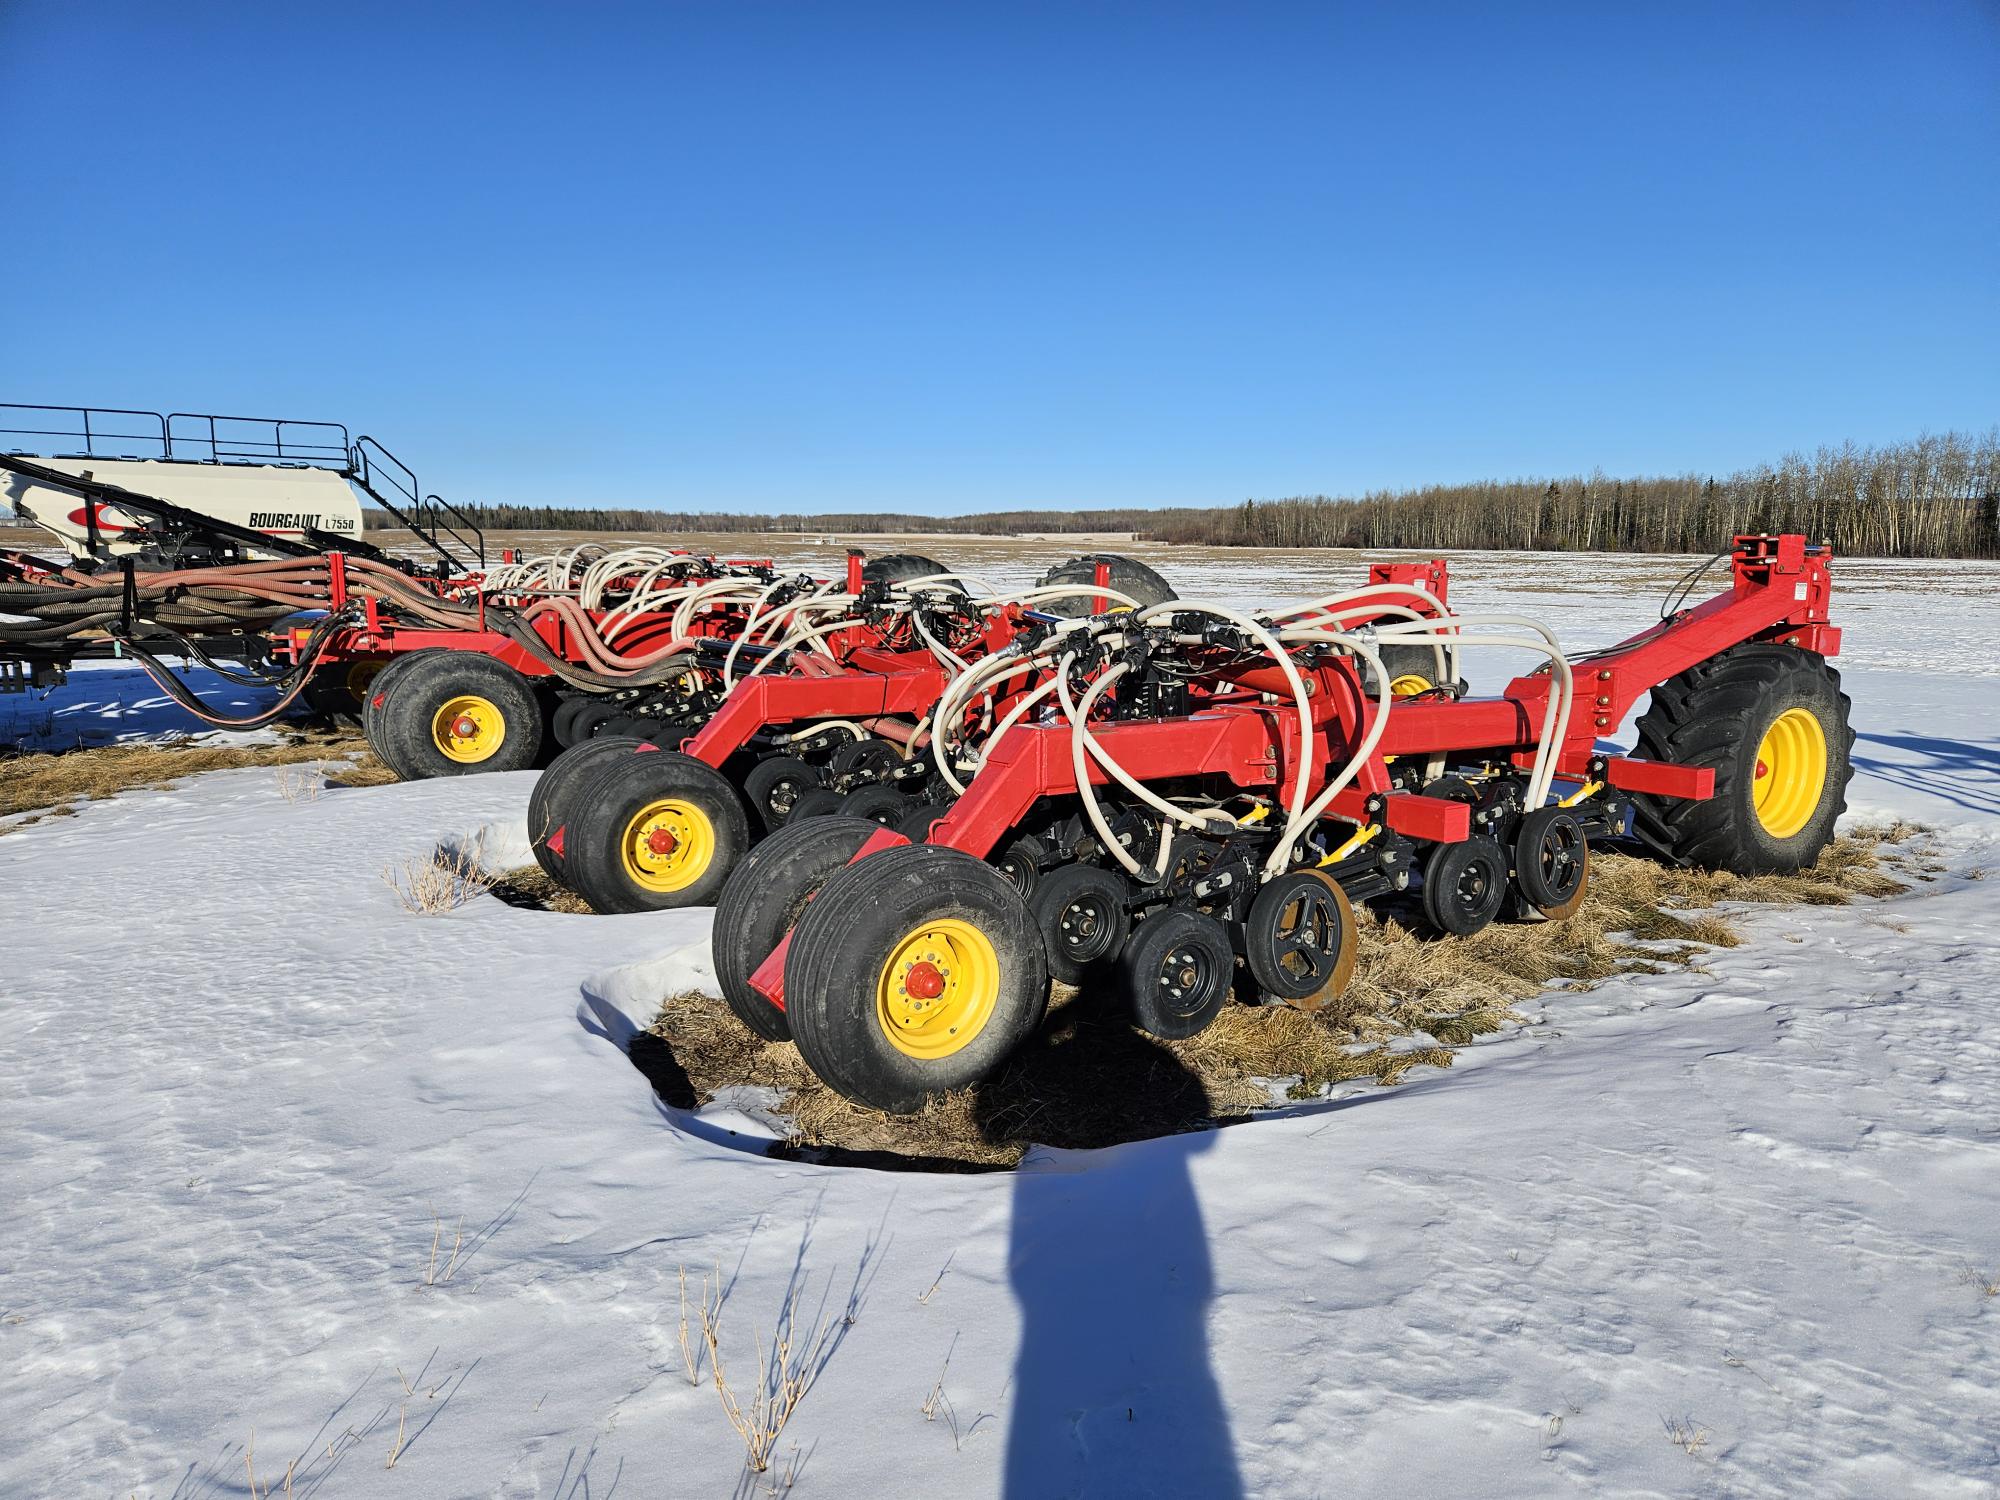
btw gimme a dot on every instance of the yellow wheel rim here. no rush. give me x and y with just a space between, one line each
361 673
938 988
469 729
1790 772
668 845
1409 685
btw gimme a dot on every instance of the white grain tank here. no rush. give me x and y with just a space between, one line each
281 500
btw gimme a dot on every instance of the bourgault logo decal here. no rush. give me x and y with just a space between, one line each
294 520
81 517
260 520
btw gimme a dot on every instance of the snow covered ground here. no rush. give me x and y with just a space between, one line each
110 702
1757 1206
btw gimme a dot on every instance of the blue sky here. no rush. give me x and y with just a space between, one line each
948 257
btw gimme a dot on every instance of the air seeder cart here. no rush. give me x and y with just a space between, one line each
197 536
193 534
1215 786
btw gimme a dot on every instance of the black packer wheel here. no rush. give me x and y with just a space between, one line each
774 786
562 724
1180 969
1552 861
1081 911
1300 940
877 803
816 803
1465 885
871 755
1021 863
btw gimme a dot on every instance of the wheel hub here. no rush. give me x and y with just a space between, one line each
938 988
1791 771
668 845
1472 886
469 728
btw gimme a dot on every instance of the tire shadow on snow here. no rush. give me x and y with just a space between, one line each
1086 1079
1089 1079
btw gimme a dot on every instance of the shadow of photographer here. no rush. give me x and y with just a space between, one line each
1113 1392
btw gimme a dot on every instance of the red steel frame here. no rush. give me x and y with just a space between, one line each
869 682
1780 591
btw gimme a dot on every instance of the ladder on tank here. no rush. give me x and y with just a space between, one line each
201 438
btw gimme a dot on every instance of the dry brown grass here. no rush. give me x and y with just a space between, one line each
450 877
1089 1079
51 785
532 890
363 770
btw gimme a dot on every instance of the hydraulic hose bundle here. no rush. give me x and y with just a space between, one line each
1080 659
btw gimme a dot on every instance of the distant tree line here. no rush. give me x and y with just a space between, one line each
991 523
1935 496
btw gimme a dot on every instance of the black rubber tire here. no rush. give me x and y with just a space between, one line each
1127 575
338 690
377 699
900 567
817 803
1404 661
606 808
1715 714
1179 971
1021 863
1552 861
562 724
548 802
331 702
594 718
882 805
762 900
1300 940
547 699
773 786
1080 910
844 941
1465 885
404 723
863 755
626 724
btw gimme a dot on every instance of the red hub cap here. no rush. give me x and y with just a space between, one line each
662 841
923 982
1762 770
463 728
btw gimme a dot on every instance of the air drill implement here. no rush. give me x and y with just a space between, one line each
1210 787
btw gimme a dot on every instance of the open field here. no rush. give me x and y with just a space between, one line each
301 1179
